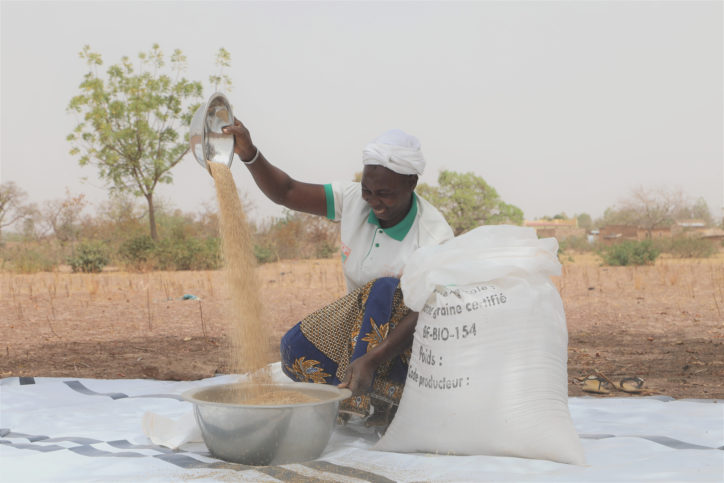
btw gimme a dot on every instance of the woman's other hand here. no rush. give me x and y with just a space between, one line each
359 376
243 146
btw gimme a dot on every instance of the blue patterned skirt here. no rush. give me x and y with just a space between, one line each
320 347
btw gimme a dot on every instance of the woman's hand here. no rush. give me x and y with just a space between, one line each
242 140
359 376
361 371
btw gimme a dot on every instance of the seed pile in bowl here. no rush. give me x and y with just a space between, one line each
276 397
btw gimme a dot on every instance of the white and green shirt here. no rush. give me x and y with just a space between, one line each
370 251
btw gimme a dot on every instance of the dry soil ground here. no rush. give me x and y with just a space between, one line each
664 323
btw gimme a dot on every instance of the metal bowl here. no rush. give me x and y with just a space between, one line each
208 142
266 435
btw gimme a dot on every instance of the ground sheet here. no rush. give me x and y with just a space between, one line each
65 429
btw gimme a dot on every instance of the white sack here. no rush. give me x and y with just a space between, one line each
488 368
483 254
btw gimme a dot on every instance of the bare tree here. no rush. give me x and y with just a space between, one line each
62 216
12 204
699 210
653 208
120 210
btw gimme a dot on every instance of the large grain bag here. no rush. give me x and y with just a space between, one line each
488 368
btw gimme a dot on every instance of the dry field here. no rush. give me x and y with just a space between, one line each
664 323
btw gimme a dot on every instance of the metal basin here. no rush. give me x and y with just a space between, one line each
207 141
266 435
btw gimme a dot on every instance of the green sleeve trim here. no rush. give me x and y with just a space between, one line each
330 201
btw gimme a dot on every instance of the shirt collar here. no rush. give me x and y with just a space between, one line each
400 230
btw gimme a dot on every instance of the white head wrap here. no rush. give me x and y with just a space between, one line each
396 151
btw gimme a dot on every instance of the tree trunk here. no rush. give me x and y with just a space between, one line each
152 218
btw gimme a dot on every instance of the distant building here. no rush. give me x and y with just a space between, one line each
691 223
654 233
559 229
611 234
697 229
690 228
713 234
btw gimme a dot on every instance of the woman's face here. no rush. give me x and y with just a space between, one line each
389 194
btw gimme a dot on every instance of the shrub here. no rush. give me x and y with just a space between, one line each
188 254
325 250
90 257
25 259
264 254
630 253
685 247
137 252
297 235
578 244
209 258
288 238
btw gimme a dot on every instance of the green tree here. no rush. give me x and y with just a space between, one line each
467 201
584 221
560 216
616 216
131 120
223 61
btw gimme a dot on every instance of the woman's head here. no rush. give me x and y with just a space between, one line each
393 163
397 151
389 194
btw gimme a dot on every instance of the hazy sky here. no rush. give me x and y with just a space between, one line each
561 106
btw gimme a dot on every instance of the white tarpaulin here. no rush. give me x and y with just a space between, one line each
66 429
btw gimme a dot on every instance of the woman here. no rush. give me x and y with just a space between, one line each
362 340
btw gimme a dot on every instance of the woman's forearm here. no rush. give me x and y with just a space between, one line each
360 372
399 339
276 184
